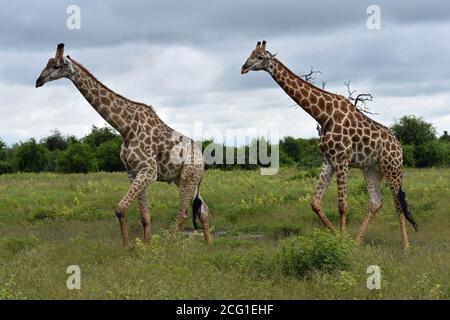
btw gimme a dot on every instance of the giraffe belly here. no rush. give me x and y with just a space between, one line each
363 158
168 172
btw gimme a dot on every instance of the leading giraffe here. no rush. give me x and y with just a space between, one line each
348 138
151 150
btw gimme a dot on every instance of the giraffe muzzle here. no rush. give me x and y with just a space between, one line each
244 70
39 82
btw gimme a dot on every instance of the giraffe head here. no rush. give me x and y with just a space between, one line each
259 59
56 68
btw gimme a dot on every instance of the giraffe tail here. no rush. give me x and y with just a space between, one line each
197 205
404 206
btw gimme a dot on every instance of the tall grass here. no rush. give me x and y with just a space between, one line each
268 243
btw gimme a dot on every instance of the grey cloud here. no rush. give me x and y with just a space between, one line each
184 57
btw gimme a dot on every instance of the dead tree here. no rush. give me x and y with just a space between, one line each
309 77
360 100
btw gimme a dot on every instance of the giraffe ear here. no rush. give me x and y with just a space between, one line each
59 53
263 47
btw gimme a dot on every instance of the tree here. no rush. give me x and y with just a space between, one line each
100 135
408 155
445 137
2 150
290 147
5 166
31 157
77 158
305 152
414 131
108 155
432 153
56 141
309 153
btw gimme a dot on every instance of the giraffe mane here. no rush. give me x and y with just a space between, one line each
333 94
308 83
79 65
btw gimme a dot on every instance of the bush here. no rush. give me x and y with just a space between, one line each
2 150
324 251
414 130
431 154
31 157
445 137
285 159
408 156
108 156
99 136
6 167
78 157
56 141
305 152
53 158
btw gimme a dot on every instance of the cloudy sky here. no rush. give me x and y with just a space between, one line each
184 58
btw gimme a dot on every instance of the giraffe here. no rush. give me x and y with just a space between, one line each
151 150
348 138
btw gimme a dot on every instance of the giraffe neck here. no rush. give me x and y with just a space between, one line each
316 102
115 109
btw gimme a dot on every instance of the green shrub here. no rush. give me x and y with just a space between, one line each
31 157
2 150
56 141
285 159
99 136
413 130
305 152
108 156
408 155
433 153
323 251
6 167
78 157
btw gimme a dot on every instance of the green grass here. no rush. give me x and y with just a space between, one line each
50 221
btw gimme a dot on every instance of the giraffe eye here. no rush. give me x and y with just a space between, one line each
57 66
260 58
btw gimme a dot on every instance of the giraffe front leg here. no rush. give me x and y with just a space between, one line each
325 177
140 182
341 177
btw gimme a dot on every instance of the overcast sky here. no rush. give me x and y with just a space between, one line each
184 58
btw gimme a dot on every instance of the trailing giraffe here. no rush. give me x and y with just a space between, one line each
348 138
151 150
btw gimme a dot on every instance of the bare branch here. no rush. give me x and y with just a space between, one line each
323 84
309 76
350 93
360 100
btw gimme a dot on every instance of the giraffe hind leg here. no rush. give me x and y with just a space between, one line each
395 184
200 210
373 180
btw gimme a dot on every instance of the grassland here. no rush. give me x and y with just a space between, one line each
51 221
